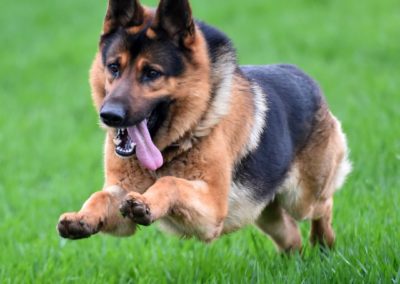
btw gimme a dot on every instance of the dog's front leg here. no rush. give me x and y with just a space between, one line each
198 206
99 213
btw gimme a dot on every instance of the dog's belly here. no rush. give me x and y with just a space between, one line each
243 209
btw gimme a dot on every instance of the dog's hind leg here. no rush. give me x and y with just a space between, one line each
99 213
281 227
323 166
321 227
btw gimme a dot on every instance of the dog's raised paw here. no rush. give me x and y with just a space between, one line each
74 226
136 210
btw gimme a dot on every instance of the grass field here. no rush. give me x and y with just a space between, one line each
51 146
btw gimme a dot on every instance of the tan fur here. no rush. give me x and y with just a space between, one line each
151 34
97 81
317 165
308 190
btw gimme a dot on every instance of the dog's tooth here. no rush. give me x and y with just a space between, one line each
117 141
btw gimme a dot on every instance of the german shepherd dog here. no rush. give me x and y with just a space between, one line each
200 144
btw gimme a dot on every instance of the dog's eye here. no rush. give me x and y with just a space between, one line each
150 74
113 68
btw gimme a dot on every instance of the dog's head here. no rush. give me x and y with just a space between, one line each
150 79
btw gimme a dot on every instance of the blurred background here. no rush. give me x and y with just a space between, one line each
51 145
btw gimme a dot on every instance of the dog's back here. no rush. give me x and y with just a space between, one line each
292 99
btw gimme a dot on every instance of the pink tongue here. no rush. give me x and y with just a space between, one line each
147 153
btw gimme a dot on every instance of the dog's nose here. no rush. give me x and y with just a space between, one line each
113 114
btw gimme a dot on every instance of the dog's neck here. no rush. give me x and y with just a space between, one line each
222 74
220 100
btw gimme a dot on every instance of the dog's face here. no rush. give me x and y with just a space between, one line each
148 70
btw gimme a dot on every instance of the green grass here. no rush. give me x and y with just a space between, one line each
51 147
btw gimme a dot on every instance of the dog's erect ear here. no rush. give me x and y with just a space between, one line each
174 17
123 13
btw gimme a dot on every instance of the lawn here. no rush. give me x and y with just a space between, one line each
51 145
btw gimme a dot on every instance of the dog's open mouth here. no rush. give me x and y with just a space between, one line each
137 139
124 145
